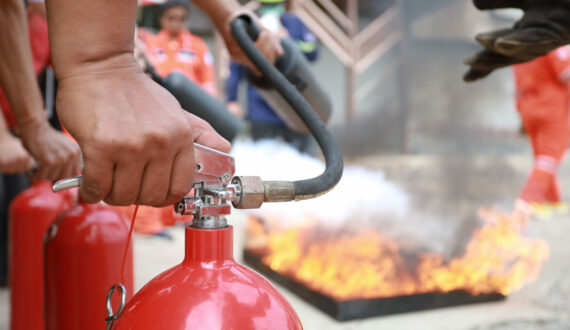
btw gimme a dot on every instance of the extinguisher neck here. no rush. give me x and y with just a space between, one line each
203 245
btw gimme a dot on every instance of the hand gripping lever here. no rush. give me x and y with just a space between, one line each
214 186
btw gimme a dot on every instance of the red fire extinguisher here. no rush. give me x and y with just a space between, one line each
83 258
208 290
31 212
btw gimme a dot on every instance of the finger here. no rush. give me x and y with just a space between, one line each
264 44
155 182
204 134
76 161
278 47
46 169
26 164
473 75
126 184
528 42
488 39
182 176
97 178
7 167
486 60
66 171
55 169
496 4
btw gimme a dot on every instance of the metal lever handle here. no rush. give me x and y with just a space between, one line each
212 167
60 185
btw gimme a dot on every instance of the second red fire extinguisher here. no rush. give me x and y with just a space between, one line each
83 258
31 212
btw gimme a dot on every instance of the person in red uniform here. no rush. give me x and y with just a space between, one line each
543 100
175 49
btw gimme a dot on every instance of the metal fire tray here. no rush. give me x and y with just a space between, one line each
363 308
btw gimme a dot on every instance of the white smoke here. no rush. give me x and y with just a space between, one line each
361 197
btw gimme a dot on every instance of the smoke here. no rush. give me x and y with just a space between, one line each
363 198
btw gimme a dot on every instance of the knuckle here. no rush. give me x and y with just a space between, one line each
92 193
50 161
135 147
160 139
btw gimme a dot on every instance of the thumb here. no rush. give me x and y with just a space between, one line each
205 135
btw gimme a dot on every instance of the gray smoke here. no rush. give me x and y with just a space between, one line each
363 198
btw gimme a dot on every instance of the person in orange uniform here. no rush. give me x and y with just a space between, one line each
175 49
543 101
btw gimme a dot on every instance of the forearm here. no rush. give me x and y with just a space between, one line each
91 36
16 67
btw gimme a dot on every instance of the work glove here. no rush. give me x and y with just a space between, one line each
544 27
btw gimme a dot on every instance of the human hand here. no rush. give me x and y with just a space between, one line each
235 109
267 42
137 142
56 155
13 157
544 27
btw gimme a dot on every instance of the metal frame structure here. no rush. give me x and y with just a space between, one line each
356 49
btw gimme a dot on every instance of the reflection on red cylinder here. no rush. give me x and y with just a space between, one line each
208 290
31 212
83 254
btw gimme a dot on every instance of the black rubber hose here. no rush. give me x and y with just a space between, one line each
196 101
246 32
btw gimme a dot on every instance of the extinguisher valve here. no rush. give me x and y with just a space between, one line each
207 201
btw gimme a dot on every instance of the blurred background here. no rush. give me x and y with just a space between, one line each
433 169
396 78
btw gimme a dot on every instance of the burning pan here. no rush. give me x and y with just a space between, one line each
363 308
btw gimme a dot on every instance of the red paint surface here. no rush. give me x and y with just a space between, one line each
31 212
208 290
83 257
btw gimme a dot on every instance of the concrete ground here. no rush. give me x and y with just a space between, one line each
544 304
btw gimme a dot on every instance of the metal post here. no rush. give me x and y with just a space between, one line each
403 72
352 13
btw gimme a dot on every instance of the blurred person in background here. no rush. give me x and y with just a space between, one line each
265 124
543 101
176 49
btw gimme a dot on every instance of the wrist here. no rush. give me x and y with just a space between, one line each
100 66
29 125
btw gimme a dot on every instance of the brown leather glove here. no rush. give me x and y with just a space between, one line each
544 27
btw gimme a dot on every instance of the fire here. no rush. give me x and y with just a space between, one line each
364 264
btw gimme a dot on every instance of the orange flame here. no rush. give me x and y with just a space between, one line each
365 264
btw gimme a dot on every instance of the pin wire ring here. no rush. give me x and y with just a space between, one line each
112 316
